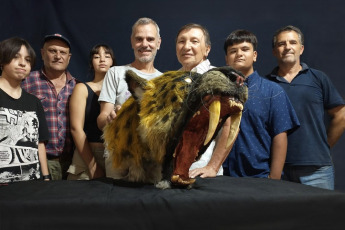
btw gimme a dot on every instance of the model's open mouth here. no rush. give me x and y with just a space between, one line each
201 129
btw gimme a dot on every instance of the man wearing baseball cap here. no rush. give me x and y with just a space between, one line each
53 85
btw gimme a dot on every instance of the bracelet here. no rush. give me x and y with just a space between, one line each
45 177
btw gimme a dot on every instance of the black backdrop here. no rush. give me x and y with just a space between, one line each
88 22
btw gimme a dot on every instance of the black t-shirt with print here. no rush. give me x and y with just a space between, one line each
22 127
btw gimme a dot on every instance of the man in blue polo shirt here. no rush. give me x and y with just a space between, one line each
260 148
311 93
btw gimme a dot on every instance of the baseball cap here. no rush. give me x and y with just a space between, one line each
57 36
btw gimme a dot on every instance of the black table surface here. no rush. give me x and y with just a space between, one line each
213 203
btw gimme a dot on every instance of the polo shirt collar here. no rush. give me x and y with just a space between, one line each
274 73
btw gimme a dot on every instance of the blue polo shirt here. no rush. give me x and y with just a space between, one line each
311 93
266 113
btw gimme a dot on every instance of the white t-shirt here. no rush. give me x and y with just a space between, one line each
115 89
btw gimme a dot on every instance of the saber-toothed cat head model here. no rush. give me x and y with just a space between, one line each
169 121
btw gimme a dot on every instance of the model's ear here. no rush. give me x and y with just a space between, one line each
231 73
136 84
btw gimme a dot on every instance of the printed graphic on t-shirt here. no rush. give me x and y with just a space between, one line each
18 145
128 94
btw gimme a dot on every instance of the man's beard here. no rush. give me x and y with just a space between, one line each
147 59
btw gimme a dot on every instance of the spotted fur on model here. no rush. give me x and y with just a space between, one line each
164 127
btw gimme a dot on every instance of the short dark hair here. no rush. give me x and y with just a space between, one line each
11 46
288 28
197 26
95 50
239 36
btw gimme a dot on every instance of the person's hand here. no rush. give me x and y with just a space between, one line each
204 172
117 108
98 173
111 116
113 113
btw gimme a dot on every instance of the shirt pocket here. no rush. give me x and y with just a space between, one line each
44 101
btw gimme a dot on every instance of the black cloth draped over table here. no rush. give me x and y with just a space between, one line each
213 203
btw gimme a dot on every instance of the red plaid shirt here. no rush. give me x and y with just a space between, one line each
56 108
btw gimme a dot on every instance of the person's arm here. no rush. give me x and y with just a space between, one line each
337 125
77 119
278 155
42 156
219 154
109 96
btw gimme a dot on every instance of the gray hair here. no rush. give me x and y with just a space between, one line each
145 21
